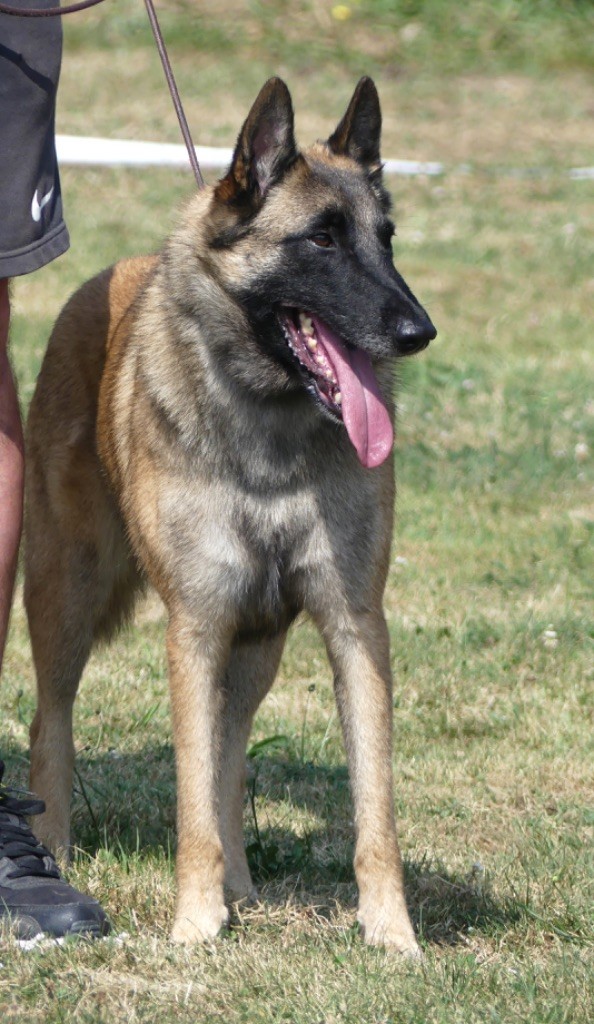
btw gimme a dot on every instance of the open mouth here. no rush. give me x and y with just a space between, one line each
344 381
312 356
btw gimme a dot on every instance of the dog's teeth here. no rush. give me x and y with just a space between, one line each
338 398
306 325
311 343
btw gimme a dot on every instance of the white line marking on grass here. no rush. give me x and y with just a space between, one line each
84 150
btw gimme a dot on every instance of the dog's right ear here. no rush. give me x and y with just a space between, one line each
265 148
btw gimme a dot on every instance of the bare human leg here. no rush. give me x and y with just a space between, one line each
12 466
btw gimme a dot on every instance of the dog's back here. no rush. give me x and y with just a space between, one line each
69 506
63 410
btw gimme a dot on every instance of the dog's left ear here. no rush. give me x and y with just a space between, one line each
265 148
358 134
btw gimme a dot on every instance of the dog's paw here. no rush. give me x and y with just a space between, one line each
246 895
393 931
238 886
56 836
201 925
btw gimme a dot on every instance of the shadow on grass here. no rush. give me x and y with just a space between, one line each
126 802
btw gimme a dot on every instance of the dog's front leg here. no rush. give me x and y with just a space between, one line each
250 674
358 648
197 660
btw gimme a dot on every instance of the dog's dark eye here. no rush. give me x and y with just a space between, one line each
322 239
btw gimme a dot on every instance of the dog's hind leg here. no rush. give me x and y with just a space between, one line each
79 581
61 638
251 673
358 647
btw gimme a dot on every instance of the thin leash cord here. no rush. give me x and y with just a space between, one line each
177 103
54 12
47 12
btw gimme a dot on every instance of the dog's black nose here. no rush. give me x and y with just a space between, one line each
414 334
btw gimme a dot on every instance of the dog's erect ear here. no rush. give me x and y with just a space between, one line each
358 134
265 148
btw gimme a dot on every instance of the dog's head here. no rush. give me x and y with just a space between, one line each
303 241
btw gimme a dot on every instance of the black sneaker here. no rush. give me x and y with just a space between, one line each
34 897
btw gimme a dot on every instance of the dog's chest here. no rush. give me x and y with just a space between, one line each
253 560
281 549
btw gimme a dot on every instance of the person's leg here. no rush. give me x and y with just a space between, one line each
34 898
11 471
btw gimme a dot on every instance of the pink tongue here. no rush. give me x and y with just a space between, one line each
364 412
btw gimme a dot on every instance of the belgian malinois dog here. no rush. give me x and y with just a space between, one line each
218 420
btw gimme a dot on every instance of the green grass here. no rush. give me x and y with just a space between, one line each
492 550
400 35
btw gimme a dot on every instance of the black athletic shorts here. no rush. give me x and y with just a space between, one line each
32 229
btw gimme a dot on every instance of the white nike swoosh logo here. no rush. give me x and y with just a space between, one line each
37 207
